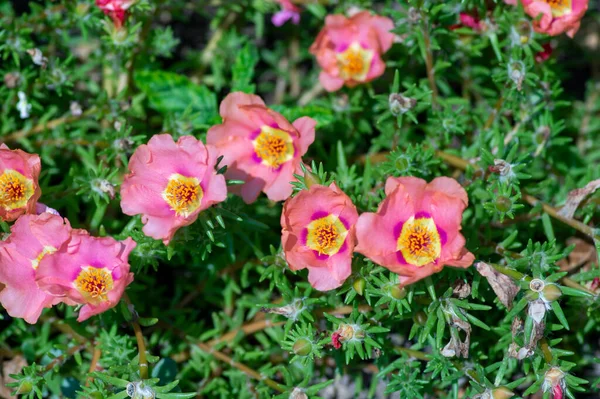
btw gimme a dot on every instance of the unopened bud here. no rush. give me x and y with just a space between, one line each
551 292
503 203
25 387
311 179
359 285
397 292
420 318
302 347
502 393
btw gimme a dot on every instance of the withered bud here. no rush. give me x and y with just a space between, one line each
11 79
400 104
298 393
38 57
75 108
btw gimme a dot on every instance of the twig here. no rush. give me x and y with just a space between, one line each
247 329
94 363
311 94
20 134
70 352
413 353
139 337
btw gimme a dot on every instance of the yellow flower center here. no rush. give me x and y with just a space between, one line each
559 7
354 63
326 235
273 146
46 251
15 190
94 283
183 194
419 241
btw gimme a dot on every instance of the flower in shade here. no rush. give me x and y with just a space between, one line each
318 233
469 20
557 16
170 183
91 271
349 50
116 9
259 146
543 55
289 11
32 239
416 230
19 189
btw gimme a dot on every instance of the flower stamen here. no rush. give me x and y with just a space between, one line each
183 194
15 190
419 241
94 283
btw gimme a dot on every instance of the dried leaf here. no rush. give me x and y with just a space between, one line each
583 254
576 196
456 347
502 285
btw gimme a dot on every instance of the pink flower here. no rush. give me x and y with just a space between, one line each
170 183
468 20
349 49
32 239
91 271
557 16
288 12
544 54
416 230
116 9
19 189
259 146
318 233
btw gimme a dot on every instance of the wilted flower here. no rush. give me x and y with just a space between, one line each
32 239
318 233
170 183
19 189
349 49
91 271
259 146
416 230
23 106
288 12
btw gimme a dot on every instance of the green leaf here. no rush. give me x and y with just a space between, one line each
173 94
559 314
243 69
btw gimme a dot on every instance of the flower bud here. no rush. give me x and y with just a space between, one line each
502 393
397 292
359 285
311 179
25 387
503 203
420 318
551 292
302 347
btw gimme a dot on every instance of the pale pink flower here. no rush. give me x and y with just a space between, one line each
557 16
318 233
259 146
32 239
90 271
170 183
349 50
416 230
19 188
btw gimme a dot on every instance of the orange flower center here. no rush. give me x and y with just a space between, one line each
94 283
354 62
15 190
273 146
419 241
326 235
183 194
559 7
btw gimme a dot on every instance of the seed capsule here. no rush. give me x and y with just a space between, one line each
502 393
359 286
397 292
420 318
